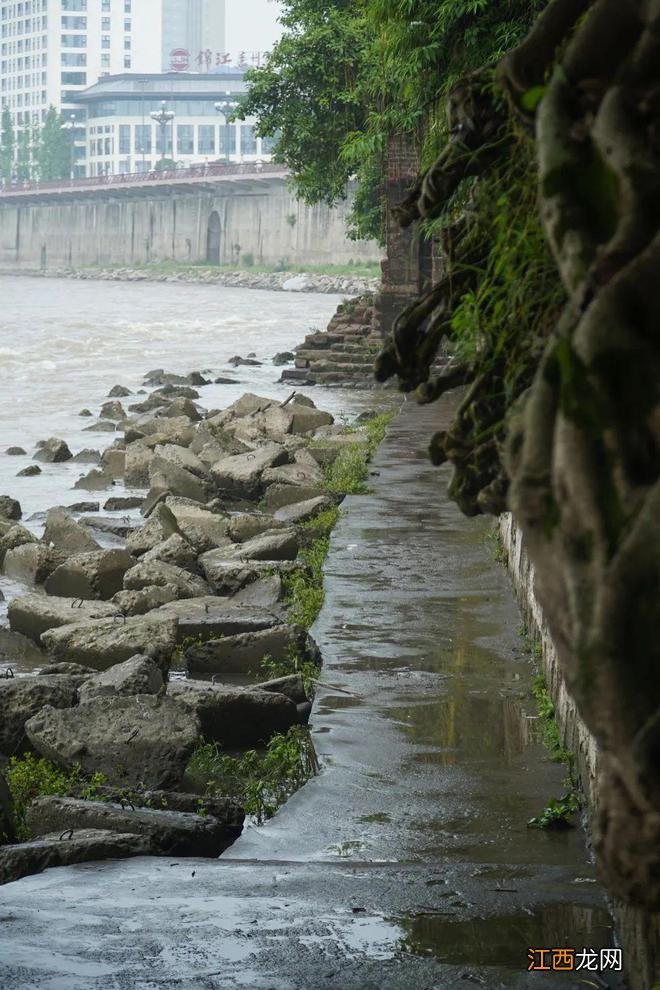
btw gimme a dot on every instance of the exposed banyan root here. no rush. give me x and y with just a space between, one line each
577 456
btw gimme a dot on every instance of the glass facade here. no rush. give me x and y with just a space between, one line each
248 140
124 139
137 107
185 139
142 139
206 139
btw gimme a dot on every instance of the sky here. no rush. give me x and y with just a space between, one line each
252 25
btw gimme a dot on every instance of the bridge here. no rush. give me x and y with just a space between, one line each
194 178
213 213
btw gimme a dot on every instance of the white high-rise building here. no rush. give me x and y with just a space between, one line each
190 29
51 50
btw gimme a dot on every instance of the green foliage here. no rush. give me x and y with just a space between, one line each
558 812
348 473
24 156
516 286
7 145
304 591
293 663
550 729
259 782
324 523
497 548
306 96
29 777
376 427
345 76
52 148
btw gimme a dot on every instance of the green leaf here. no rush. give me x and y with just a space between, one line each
531 99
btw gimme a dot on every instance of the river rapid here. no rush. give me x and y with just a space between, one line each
64 344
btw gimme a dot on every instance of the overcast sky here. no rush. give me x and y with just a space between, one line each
252 25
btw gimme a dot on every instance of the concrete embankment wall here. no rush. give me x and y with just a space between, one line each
639 931
222 224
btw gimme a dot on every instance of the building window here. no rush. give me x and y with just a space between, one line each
74 58
74 78
74 4
127 24
74 23
124 166
143 139
164 140
124 139
227 139
127 44
141 166
105 6
105 23
185 139
105 60
105 41
127 6
127 61
248 140
74 41
206 139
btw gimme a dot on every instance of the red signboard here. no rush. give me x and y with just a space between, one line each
179 60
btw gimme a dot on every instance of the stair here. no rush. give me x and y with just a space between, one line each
344 353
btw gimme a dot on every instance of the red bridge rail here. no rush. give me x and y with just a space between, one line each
194 173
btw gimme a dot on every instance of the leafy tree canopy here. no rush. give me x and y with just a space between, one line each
348 73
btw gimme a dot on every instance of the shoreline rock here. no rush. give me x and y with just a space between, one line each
347 285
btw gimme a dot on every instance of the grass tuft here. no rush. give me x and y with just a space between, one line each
260 782
29 777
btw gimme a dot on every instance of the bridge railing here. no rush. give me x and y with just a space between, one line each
209 170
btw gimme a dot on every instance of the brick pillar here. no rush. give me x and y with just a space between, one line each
407 265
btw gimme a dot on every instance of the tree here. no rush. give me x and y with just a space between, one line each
345 76
53 148
24 155
7 144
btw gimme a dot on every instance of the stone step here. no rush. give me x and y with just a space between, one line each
361 368
329 363
342 378
348 347
322 339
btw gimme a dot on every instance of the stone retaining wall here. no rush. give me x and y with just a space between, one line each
344 353
638 931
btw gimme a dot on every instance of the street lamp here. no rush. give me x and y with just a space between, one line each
163 117
70 125
225 107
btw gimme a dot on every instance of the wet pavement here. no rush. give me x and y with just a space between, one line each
407 862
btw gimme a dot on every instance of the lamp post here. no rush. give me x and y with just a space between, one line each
225 107
70 125
163 117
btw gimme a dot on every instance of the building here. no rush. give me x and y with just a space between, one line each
51 50
106 64
191 28
121 136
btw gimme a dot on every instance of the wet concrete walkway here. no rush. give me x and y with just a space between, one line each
407 863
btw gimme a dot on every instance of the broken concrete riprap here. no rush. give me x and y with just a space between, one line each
197 584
